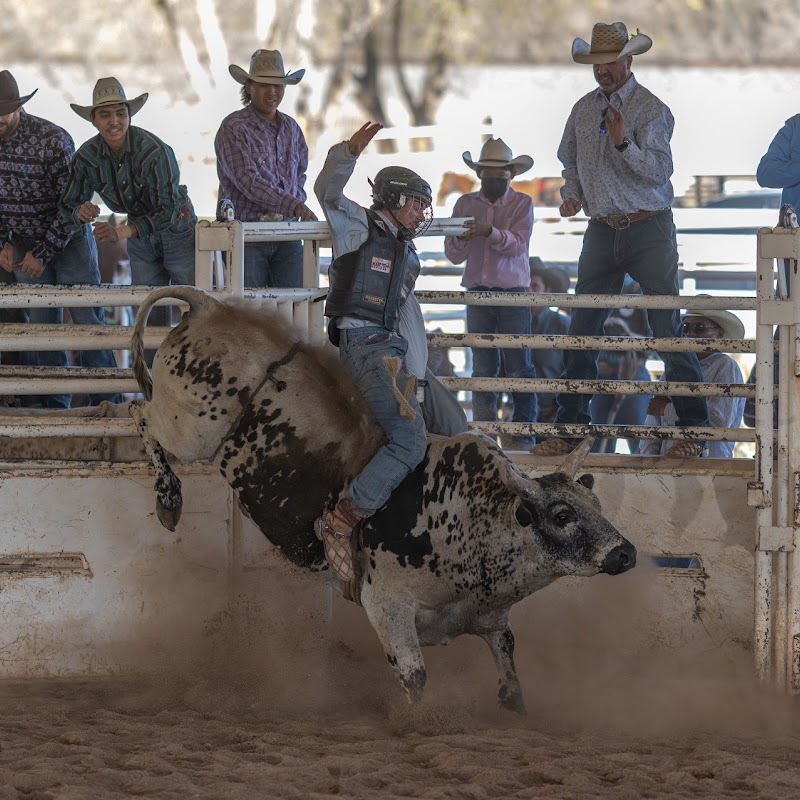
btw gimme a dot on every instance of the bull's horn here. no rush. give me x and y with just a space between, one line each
573 462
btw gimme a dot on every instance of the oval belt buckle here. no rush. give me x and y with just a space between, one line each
619 221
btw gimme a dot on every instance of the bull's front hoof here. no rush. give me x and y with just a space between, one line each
169 518
512 702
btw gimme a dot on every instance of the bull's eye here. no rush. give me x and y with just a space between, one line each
563 517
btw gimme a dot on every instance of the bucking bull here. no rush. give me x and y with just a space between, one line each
462 539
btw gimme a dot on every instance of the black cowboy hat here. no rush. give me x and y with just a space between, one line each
9 94
555 278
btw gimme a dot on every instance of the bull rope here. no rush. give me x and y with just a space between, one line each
393 365
269 375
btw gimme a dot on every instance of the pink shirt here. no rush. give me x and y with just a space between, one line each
499 261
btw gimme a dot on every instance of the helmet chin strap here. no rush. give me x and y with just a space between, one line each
403 232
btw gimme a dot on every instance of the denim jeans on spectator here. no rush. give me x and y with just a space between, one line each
647 251
491 363
362 352
163 258
273 264
632 410
77 264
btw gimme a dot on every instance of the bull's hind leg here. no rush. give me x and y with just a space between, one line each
509 692
169 499
397 632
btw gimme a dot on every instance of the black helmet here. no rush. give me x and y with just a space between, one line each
394 186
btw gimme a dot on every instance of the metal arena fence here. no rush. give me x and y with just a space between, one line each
775 486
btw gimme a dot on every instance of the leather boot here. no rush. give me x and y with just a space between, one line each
335 528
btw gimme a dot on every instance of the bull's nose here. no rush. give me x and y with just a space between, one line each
620 559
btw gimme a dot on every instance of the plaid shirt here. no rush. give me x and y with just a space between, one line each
34 166
261 165
142 183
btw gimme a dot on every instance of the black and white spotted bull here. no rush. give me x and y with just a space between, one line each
463 538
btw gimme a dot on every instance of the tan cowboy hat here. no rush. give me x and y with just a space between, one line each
10 100
731 325
266 66
109 92
496 153
609 42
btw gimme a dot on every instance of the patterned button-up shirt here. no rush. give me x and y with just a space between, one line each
261 165
34 166
607 181
500 260
143 182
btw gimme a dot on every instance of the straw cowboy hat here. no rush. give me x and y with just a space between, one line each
554 278
609 42
10 100
731 325
266 66
109 92
496 153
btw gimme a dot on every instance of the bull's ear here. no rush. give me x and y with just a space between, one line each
523 513
587 480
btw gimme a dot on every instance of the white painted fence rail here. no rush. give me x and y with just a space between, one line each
303 307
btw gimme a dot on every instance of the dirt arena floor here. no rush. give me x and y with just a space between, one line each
288 696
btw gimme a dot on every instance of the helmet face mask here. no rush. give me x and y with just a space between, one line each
407 196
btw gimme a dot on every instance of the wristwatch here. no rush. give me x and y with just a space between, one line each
622 145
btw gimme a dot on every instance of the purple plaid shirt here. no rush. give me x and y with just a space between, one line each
261 165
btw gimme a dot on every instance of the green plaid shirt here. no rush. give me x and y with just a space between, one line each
143 182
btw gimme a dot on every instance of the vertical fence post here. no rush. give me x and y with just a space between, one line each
762 630
234 271
203 260
790 394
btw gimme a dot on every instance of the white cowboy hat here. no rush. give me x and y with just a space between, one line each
731 325
107 92
266 66
609 42
496 153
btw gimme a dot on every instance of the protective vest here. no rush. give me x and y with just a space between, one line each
373 282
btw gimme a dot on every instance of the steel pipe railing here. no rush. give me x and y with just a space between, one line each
514 341
617 431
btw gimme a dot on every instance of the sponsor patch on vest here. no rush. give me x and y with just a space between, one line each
375 300
381 265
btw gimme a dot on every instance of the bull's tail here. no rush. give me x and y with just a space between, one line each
198 301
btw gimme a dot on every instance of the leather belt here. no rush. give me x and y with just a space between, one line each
621 221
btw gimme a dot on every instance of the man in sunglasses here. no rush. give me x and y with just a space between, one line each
617 168
725 412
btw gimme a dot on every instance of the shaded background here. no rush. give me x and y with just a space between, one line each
727 68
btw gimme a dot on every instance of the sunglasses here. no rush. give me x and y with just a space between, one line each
699 327
603 120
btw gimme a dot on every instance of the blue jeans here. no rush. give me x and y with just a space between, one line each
648 252
361 351
273 264
77 263
631 410
163 258
490 363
